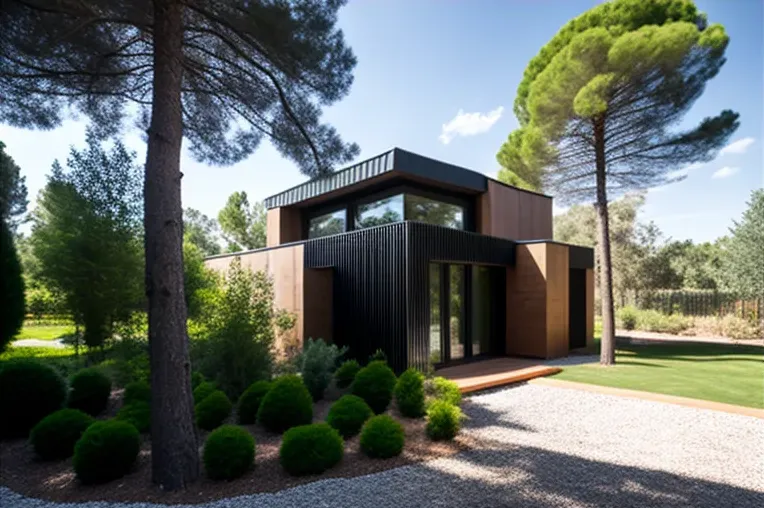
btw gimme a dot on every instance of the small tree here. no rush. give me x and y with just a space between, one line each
13 190
11 288
243 226
201 231
598 103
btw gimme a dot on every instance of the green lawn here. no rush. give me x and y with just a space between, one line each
44 332
717 372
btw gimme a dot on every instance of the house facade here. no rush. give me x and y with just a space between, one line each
430 262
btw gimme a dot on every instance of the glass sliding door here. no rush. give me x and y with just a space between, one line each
457 306
436 355
481 318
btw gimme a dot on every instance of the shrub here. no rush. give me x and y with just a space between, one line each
654 321
346 373
229 452
197 378
440 388
374 384
11 283
137 391
90 391
137 413
287 404
55 435
739 329
310 449
348 415
378 356
382 437
202 391
213 410
317 363
409 393
628 317
249 402
443 420
29 391
106 451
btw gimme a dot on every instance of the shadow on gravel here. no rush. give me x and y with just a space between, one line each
480 416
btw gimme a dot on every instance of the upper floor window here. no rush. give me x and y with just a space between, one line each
434 212
376 213
328 224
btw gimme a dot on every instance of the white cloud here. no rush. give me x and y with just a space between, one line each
739 146
469 124
725 172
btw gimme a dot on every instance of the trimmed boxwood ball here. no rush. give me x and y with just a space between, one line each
54 436
229 452
106 451
29 391
441 388
348 415
137 391
250 400
287 404
213 410
382 437
90 391
310 449
409 393
443 420
374 384
346 372
204 389
138 413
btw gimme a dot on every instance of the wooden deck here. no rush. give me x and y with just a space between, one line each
480 375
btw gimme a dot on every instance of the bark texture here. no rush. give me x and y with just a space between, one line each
607 344
174 449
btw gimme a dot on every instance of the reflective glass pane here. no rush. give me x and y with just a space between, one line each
434 212
481 309
456 302
329 224
435 351
380 212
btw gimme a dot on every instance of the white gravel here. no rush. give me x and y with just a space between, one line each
546 446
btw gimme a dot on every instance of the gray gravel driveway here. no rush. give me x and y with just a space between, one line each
543 446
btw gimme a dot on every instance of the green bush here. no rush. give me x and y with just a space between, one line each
90 391
443 420
348 415
137 413
374 384
55 435
346 373
12 282
287 404
310 449
213 410
106 451
628 317
654 321
382 437
137 391
409 393
229 452
378 356
317 362
204 389
250 400
197 378
440 388
29 391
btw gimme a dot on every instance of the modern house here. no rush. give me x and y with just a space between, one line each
430 262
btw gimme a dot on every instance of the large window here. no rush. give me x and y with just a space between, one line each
328 224
384 211
481 310
434 212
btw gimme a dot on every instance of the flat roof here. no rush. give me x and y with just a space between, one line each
396 159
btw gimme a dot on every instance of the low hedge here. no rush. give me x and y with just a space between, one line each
348 415
443 420
213 410
287 404
250 400
90 391
346 373
409 393
55 435
374 384
29 391
137 413
106 451
310 449
440 388
229 452
382 437
204 389
137 391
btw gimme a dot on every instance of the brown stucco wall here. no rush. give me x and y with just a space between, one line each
283 225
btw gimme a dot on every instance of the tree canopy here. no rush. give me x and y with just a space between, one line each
13 190
744 262
11 288
243 226
201 231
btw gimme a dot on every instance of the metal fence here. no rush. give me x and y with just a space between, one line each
695 303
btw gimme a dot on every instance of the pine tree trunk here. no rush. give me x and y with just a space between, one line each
607 343
174 448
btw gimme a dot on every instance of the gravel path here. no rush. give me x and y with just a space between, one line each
544 446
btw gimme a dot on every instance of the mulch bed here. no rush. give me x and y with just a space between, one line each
23 473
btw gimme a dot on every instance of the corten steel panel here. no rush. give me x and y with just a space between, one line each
527 302
508 212
558 303
317 306
282 226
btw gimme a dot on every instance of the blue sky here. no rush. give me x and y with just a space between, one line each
439 78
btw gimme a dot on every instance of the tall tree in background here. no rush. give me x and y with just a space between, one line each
13 190
598 103
201 231
243 226
11 288
223 74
